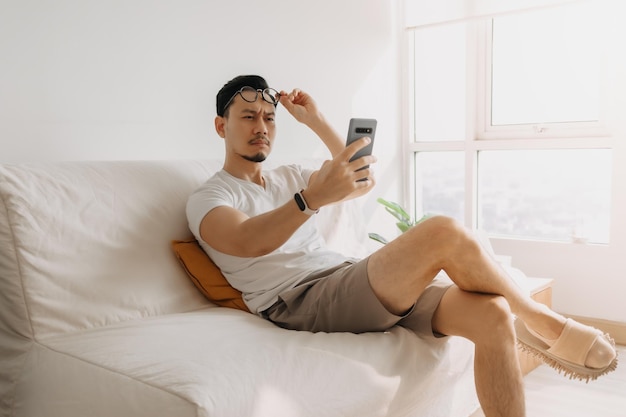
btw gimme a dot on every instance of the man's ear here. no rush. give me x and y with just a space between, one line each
220 123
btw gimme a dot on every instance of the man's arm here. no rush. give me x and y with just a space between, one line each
304 109
231 231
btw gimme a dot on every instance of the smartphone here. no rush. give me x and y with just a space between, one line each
359 128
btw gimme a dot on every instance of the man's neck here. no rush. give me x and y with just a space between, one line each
245 170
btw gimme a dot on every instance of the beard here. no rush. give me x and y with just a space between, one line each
259 157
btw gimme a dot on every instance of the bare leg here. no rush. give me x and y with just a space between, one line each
400 271
486 320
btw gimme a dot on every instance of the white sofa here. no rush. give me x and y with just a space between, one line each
98 318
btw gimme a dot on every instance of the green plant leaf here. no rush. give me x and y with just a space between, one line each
403 226
395 214
404 222
378 238
395 210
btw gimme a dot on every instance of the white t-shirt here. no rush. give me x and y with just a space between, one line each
261 279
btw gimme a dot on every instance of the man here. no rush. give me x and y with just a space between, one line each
255 226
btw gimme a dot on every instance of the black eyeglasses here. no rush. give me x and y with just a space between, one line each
251 95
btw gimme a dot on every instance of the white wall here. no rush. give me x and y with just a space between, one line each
136 79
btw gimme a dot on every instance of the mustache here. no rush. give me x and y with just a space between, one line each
260 137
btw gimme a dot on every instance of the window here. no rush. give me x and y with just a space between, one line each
558 195
441 177
507 131
546 67
440 83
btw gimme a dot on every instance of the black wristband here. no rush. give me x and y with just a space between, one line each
302 205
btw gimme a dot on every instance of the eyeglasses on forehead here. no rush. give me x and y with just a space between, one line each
251 94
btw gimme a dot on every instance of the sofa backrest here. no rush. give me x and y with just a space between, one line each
87 244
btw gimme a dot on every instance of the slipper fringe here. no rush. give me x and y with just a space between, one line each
567 372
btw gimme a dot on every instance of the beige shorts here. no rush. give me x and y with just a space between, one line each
341 299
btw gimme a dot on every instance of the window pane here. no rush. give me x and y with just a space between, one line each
439 184
440 78
546 66
561 195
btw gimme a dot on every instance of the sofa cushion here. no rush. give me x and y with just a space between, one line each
86 244
206 276
224 362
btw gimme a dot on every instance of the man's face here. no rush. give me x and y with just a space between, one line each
248 128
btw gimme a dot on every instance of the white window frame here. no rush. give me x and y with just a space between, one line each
480 135
484 128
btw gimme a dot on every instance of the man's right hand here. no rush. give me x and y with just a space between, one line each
339 179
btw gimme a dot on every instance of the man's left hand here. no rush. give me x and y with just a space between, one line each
301 106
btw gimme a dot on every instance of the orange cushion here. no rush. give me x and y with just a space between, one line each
206 276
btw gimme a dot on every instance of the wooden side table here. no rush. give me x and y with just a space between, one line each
541 291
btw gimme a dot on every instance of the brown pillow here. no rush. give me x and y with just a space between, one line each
206 276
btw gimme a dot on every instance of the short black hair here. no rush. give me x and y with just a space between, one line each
230 88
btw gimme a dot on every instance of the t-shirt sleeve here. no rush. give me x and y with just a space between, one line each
306 174
202 201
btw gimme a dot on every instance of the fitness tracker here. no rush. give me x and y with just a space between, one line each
301 202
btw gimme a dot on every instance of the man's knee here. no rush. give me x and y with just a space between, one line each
496 319
442 222
498 309
444 234
475 316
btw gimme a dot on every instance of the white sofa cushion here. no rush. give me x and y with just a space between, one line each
227 363
90 241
